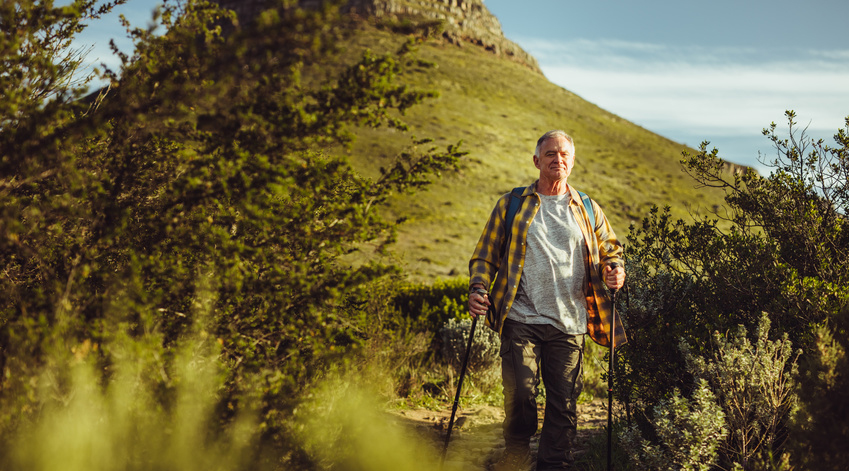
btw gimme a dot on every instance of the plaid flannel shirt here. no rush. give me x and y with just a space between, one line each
501 277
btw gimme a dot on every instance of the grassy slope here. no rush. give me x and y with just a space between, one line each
498 109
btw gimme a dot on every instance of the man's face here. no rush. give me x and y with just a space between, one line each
556 159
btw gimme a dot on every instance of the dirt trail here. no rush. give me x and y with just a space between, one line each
476 440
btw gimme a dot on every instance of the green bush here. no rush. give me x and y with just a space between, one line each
657 308
781 247
484 366
430 306
396 354
740 411
419 26
199 170
689 434
754 382
821 427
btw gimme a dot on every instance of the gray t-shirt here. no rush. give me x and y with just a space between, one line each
554 278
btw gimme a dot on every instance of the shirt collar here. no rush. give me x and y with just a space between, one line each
532 189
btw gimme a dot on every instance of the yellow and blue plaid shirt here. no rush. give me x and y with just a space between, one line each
501 277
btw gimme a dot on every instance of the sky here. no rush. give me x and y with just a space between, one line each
688 70
691 71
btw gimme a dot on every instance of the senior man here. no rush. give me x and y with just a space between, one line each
547 273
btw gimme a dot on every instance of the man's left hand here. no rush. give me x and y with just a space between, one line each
614 278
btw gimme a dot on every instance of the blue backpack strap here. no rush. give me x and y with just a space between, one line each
512 209
588 205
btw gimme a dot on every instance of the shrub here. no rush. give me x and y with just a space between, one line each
418 334
396 353
430 306
343 427
689 434
780 246
656 307
485 346
484 369
748 386
754 382
421 26
822 424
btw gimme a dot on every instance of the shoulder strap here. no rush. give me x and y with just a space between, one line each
588 205
512 209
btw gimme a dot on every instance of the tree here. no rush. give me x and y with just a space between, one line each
200 177
41 72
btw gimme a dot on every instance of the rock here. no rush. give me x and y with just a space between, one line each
465 21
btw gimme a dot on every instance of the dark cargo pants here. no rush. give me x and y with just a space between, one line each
525 348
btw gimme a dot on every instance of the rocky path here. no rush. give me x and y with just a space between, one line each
476 439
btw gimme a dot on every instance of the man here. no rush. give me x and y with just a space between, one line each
547 274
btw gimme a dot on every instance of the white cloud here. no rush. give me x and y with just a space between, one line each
840 56
730 97
681 92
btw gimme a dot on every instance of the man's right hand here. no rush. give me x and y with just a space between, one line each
478 302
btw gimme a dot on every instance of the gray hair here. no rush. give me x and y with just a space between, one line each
549 135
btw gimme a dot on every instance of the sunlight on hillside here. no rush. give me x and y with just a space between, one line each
498 109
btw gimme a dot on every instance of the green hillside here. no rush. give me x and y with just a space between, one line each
498 109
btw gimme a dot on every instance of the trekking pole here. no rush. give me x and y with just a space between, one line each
460 382
610 380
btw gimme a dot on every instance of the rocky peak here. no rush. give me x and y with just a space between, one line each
465 21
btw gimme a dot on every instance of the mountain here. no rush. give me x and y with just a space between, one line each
495 99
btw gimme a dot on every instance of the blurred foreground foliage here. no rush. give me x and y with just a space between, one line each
175 274
785 253
195 182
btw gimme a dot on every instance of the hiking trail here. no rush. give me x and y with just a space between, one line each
476 439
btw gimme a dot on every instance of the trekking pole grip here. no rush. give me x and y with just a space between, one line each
614 266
